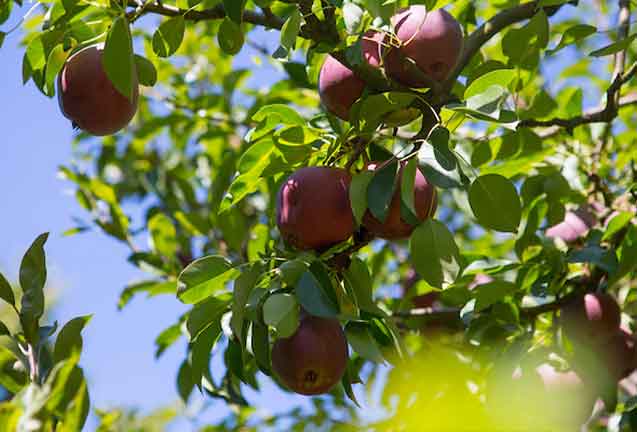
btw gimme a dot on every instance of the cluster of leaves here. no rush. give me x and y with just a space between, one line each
511 152
48 386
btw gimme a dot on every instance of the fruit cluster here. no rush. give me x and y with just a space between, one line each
313 206
425 47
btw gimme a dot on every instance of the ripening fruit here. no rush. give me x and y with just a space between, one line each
589 318
313 360
540 398
609 360
433 40
339 88
574 226
395 227
313 208
621 354
88 98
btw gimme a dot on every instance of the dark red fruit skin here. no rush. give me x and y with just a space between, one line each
312 360
394 227
593 317
339 88
88 98
313 208
433 40
620 353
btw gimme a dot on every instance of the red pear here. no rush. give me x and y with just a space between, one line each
394 226
88 98
313 360
433 40
591 318
313 209
339 87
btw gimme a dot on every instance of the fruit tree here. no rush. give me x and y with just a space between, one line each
427 204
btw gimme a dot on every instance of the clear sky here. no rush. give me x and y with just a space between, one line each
88 270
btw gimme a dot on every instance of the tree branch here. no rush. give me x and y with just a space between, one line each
270 21
451 316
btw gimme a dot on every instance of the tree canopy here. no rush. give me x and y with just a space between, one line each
520 143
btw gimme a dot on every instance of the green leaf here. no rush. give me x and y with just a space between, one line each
600 257
348 378
54 65
352 15
185 384
627 256
204 277
5 13
10 378
496 203
168 37
32 280
118 59
407 185
572 35
434 253
230 37
69 341
260 345
360 279
279 114
491 293
4 331
259 236
381 190
292 270
146 72
370 112
2 36
281 311
243 286
439 140
163 235
166 338
500 77
151 287
616 224
358 194
77 412
290 30
614 47
234 9
64 382
10 413
6 292
200 352
205 314
314 298
362 342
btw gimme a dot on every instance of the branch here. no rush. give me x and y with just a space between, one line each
599 115
613 100
451 316
474 42
218 12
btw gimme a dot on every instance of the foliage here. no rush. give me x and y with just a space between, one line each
49 388
514 148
